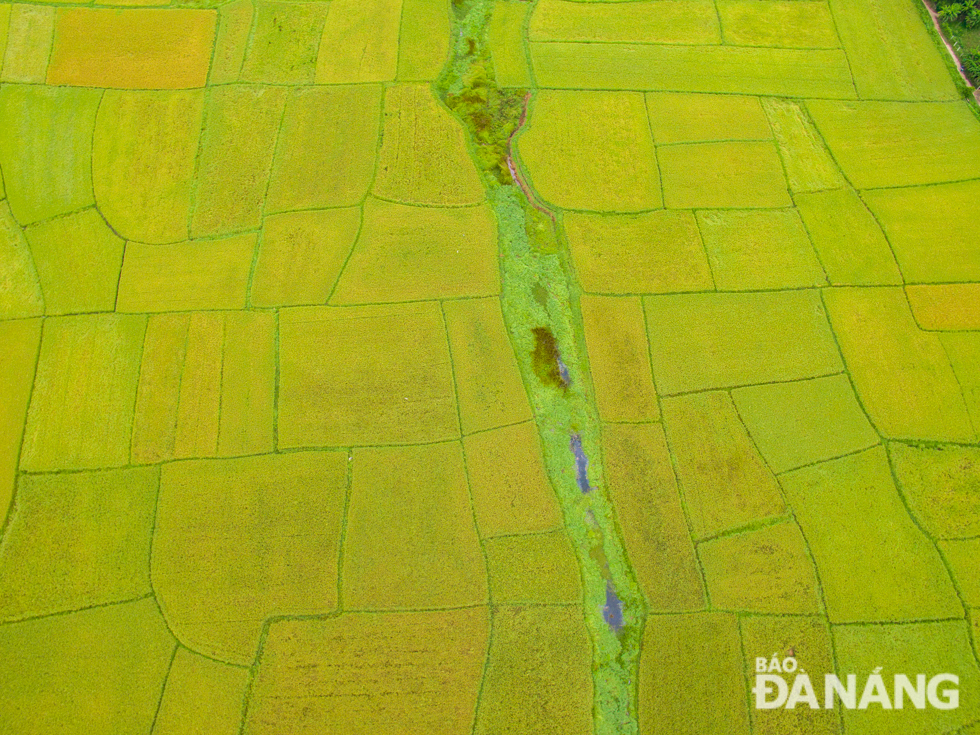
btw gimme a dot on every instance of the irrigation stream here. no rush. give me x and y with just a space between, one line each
540 306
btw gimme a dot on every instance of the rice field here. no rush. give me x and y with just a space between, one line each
474 367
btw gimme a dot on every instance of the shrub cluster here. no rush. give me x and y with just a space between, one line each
954 11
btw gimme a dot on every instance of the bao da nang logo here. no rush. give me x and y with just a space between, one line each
780 683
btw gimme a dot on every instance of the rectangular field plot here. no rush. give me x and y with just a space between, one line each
790 72
777 23
890 51
663 21
879 144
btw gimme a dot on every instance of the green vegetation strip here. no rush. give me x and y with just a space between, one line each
540 306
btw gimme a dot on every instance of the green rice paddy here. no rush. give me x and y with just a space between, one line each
471 367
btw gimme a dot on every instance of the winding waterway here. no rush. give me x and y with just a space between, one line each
540 306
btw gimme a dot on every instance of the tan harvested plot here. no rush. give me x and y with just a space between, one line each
809 166
901 373
78 260
874 564
727 69
201 696
765 571
231 40
694 118
619 358
950 306
942 487
143 156
851 245
77 540
240 128
20 289
488 381
284 41
722 477
240 540
98 671
663 21
326 149
301 255
360 41
132 49
206 387
90 363
365 375
758 250
648 509
408 253
370 673
423 157
411 541
505 41
201 274
703 341
890 51
655 252
789 421
538 676
890 144
46 149
28 43
723 175
932 230
917 648
424 39
19 342
511 492
540 568
691 676
777 23
808 640
591 150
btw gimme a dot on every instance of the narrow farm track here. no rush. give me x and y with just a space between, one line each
544 323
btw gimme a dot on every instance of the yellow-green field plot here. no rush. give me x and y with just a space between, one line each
411 540
565 151
365 375
237 541
371 672
274 456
